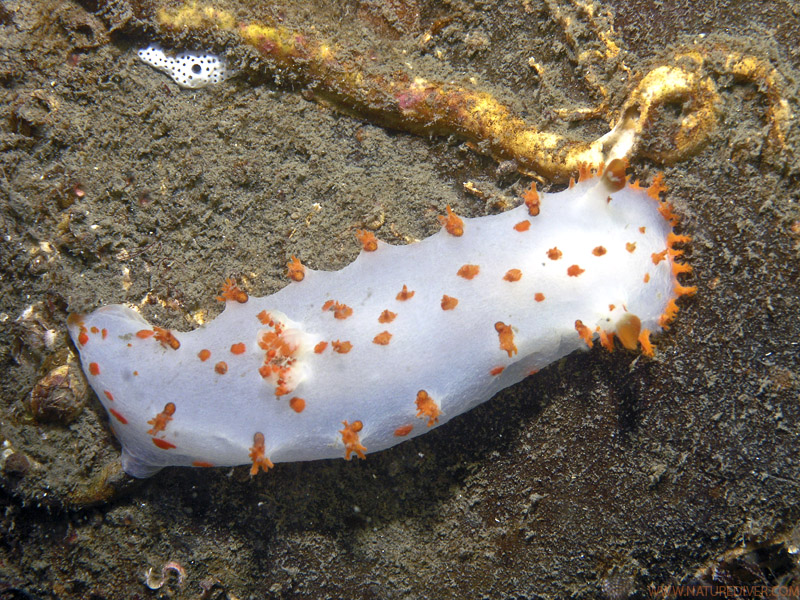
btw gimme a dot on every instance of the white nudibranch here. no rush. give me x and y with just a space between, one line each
188 69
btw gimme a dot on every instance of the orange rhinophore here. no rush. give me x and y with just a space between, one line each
506 336
232 292
386 316
523 226
296 270
448 302
628 329
554 254
320 347
606 339
468 271
341 347
340 311
630 247
599 251
204 354
574 271
143 334
298 405
513 275
403 430
452 223
160 421
368 240
166 337
221 367
238 348
539 297
531 198
404 294
94 369
584 332
426 407
258 455
382 339
614 175
350 439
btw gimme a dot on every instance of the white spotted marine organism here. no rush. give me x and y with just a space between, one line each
188 69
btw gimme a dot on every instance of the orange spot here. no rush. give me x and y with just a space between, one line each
513 275
265 318
166 337
584 332
83 337
531 198
574 271
350 439
611 307
448 302
497 371
506 336
163 444
160 421
539 297
104 333
232 292
554 254
452 223
296 269
368 240
204 354
221 367
94 368
340 311
386 316
606 339
657 257
202 463
630 247
238 348
614 174
468 271
136 373
143 334
320 347
642 229
523 226
403 430
118 416
258 456
646 278
628 328
298 405
426 407
94 330
404 294
341 347
108 395
644 340
382 339
599 251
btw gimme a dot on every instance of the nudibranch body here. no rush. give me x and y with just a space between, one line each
338 364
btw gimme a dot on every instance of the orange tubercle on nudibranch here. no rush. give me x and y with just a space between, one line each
405 294
574 271
531 199
297 271
258 455
167 338
341 347
468 271
513 275
506 336
369 243
350 439
159 422
448 302
554 254
386 316
232 292
427 407
382 339
452 223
